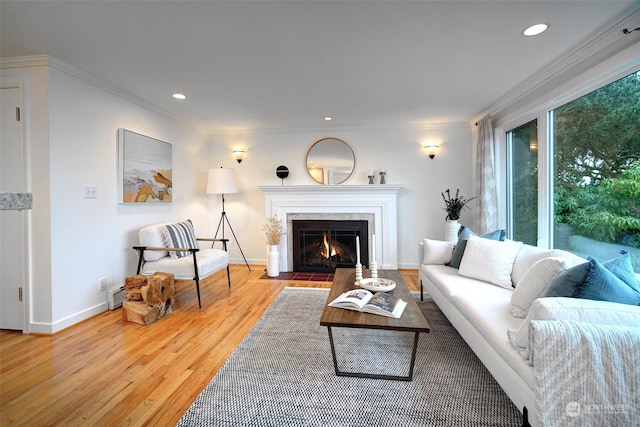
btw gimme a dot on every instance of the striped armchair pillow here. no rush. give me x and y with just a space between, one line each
180 235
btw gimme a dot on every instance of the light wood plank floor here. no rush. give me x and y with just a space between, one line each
105 371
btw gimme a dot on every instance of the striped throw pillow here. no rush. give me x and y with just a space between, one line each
180 235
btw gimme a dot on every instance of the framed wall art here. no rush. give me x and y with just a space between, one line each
144 169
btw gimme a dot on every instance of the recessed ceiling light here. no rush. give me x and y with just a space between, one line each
179 96
328 118
536 29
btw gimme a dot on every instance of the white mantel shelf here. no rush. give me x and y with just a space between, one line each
371 188
378 201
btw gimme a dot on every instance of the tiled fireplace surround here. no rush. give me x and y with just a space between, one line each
375 203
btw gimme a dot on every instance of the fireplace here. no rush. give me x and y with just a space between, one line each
324 245
375 203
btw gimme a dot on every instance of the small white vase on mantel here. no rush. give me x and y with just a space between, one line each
273 261
451 230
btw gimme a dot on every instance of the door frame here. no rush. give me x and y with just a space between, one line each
22 83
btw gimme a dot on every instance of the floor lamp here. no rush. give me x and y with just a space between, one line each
223 181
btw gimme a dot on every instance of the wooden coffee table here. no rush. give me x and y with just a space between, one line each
411 320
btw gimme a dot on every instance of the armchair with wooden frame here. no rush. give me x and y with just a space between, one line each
173 248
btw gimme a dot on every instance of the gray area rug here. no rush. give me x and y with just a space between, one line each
282 374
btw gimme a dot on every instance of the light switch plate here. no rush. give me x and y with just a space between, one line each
90 192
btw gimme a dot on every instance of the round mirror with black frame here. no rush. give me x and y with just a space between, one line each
330 161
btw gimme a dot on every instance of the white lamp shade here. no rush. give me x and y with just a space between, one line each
222 181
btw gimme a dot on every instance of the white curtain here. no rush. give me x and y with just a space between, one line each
487 212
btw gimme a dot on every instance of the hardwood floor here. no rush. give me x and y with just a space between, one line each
105 371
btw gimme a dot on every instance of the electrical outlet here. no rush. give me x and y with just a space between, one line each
102 284
90 192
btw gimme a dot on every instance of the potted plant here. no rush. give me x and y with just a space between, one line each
273 231
454 206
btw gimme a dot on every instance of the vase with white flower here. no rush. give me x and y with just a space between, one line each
273 231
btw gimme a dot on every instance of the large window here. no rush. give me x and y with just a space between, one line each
523 182
594 181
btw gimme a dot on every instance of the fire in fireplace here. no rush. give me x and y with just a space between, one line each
325 245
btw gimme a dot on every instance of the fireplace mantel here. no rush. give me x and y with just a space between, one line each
324 201
331 189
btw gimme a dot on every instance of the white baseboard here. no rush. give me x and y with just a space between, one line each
408 266
52 328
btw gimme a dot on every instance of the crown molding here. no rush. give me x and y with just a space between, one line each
24 61
608 42
79 74
338 129
50 61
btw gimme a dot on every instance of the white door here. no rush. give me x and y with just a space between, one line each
13 223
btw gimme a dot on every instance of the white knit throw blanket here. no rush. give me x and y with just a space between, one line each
586 374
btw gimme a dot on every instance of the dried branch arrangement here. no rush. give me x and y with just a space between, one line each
273 230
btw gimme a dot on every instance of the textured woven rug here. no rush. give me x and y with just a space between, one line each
282 374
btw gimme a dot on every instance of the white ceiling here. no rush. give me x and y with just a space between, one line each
287 64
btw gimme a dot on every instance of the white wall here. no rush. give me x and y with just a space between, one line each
399 151
76 241
92 238
73 142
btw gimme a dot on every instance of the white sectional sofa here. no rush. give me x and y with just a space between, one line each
482 313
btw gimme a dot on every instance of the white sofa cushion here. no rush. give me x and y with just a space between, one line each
490 315
534 283
449 282
576 309
489 260
153 236
437 251
209 261
480 312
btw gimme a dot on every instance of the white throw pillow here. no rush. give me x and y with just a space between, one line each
527 256
437 251
153 236
576 309
533 284
489 260
569 258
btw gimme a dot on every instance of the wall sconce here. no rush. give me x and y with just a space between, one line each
238 154
431 150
